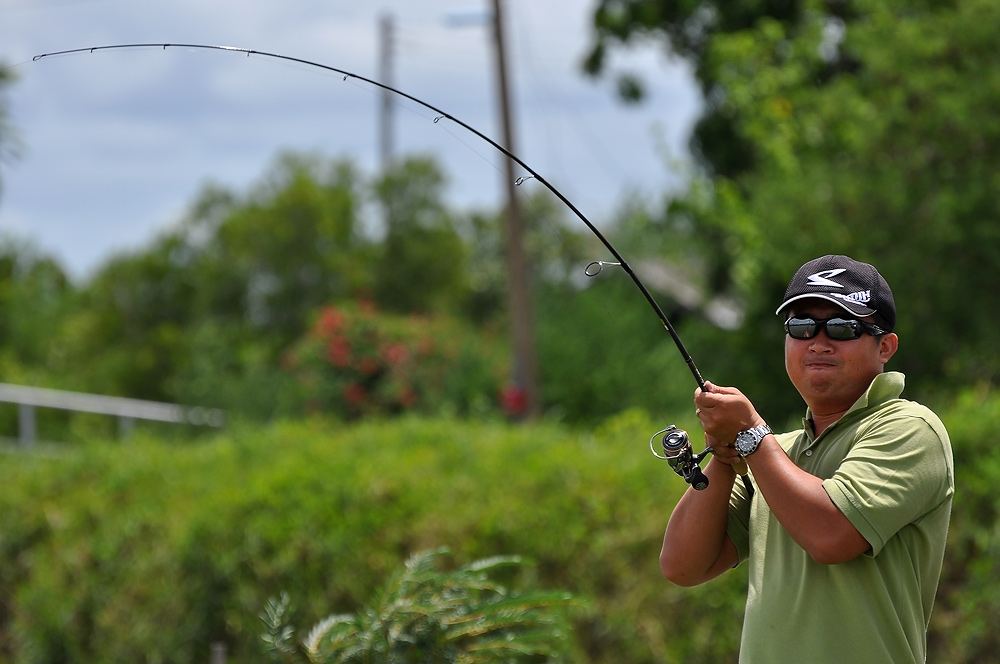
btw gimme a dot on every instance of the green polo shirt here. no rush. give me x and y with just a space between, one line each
887 465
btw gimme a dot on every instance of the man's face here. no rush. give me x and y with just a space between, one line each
832 374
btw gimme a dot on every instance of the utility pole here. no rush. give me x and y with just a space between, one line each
519 294
385 60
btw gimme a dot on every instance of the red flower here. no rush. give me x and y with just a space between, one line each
329 322
514 400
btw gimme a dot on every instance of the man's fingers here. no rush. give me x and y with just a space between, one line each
726 451
707 400
727 454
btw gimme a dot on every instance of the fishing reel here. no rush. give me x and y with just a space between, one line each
678 454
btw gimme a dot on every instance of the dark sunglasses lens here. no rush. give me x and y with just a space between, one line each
843 329
801 328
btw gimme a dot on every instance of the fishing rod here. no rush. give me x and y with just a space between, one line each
592 270
676 448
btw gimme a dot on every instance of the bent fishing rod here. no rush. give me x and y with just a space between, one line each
675 443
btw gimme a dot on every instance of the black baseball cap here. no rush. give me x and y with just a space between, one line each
856 287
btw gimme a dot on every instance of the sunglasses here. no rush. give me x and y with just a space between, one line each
837 328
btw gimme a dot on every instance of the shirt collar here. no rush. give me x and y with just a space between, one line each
885 387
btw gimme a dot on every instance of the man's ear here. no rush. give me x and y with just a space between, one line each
888 344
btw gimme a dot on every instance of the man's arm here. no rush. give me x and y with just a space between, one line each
801 504
796 498
695 545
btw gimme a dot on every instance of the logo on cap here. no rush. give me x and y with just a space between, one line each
823 278
861 297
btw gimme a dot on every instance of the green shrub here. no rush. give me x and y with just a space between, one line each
963 626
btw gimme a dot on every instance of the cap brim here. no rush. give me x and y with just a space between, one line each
850 307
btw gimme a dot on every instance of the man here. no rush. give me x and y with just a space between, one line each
845 534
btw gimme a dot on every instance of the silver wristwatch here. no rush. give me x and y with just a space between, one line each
748 441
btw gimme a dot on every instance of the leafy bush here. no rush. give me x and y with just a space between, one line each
225 367
963 626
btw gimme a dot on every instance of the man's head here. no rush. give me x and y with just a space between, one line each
839 316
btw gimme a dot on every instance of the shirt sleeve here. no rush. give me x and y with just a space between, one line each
896 472
738 524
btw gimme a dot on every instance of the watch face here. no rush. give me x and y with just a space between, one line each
748 441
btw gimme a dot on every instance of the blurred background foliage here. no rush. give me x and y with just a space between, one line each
324 301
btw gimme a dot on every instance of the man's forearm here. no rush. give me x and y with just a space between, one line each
802 506
696 532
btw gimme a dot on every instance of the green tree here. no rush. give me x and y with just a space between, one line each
208 312
867 128
129 326
557 250
237 280
35 293
294 243
690 29
8 143
422 264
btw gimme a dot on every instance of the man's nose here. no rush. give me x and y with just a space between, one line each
821 343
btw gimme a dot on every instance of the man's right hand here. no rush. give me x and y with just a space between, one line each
727 455
724 454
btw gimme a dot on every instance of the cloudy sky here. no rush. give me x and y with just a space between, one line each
115 145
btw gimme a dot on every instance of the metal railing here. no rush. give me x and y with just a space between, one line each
125 409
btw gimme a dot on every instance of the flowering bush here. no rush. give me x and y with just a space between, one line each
358 361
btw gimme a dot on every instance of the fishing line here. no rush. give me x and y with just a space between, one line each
436 119
440 116
419 111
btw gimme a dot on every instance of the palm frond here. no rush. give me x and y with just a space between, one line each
278 634
424 614
493 562
328 635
